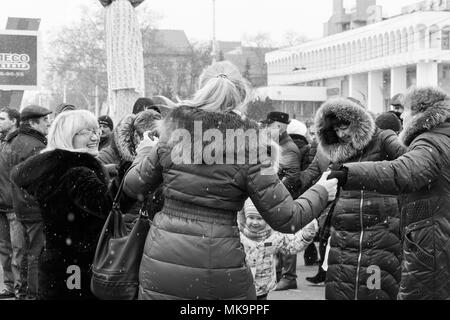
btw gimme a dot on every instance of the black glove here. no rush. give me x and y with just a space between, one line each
341 175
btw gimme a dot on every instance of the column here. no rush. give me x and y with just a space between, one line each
398 80
427 74
357 87
375 101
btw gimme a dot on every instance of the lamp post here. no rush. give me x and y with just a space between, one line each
214 47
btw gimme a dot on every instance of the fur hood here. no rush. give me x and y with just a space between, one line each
425 121
122 139
362 127
184 117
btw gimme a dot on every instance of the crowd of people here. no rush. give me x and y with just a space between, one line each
372 190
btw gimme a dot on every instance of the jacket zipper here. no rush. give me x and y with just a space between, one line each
360 244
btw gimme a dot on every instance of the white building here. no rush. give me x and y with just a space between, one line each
370 63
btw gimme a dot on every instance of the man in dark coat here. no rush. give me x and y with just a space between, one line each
16 221
9 122
289 166
422 176
107 126
364 225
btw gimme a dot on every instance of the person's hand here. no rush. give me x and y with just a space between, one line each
331 185
339 172
149 140
112 169
310 230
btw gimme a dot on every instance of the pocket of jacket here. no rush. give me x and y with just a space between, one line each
417 237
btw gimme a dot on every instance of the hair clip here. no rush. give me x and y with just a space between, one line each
222 75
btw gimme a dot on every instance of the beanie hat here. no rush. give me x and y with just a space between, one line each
250 209
297 127
388 121
106 121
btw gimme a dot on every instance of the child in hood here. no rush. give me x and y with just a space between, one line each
261 244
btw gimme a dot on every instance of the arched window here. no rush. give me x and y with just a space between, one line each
434 37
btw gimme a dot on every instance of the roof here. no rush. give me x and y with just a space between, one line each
170 42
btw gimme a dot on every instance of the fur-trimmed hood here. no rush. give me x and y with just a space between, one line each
185 117
122 139
422 122
362 127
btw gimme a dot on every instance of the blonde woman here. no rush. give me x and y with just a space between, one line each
70 186
193 250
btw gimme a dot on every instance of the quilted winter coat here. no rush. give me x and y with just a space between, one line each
364 225
193 249
422 175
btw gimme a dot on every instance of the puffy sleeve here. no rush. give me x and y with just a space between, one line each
276 206
145 174
411 172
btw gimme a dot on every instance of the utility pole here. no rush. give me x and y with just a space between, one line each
214 46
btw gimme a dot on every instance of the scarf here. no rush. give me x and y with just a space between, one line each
259 235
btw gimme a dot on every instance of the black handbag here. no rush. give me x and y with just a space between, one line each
115 270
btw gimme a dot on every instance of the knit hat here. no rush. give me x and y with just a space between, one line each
297 127
106 121
388 121
250 209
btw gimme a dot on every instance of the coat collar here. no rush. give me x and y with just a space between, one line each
428 120
28 131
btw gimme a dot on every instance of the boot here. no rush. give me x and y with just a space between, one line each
318 278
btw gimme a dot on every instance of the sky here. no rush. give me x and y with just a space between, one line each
235 19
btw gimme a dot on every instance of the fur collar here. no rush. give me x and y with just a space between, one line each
44 171
123 139
28 131
362 126
425 121
184 117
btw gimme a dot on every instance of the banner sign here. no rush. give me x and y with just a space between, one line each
19 60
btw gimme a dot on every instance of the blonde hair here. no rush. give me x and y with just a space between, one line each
222 88
66 125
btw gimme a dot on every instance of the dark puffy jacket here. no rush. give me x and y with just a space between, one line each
364 225
304 150
423 176
72 190
312 151
19 146
289 163
193 250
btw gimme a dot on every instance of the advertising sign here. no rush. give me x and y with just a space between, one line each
19 60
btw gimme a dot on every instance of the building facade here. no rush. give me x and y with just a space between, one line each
371 63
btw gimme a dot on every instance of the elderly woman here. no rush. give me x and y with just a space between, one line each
422 176
193 250
71 188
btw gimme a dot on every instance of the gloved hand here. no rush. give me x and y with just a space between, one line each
340 175
310 230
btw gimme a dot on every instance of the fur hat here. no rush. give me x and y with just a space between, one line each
297 127
420 99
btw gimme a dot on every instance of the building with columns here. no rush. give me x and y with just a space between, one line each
371 63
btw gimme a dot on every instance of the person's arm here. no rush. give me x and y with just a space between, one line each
308 177
87 191
293 244
145 174
411 172
276 206
392 146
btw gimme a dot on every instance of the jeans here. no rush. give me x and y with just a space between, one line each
287 266
12 253
35 245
